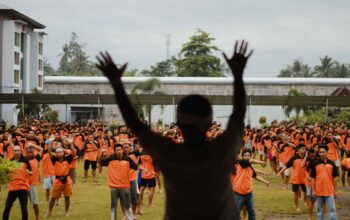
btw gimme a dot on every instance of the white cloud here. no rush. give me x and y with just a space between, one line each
134 30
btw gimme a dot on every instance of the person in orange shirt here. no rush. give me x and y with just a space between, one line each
323 183
127 150
298 174
243 184
148 178
345 165
19 184
118 173
34 179
61 160
91 147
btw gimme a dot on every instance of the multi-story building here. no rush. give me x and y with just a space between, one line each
21 57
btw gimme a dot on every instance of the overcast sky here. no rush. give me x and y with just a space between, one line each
135 30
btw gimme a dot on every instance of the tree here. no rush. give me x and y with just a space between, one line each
195 57
295 107
161 69
147 87
74 60
297 69
37 111
341 70
48 69
262 121
343 116
326 68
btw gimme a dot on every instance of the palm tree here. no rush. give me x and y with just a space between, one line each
147 87
326 69
341 71
297 69
65 57
295 107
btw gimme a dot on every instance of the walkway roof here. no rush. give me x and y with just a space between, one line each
106 99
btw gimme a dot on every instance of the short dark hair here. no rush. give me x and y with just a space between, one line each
195 105
118 145
325 147
246 151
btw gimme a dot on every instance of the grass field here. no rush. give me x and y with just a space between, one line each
92 201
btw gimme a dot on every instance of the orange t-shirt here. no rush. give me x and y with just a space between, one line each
62 168
243 181
19 176
324 173
47 167
133 173
34 163
298 173
118 172
346 163
92 152
333 153
146 162
79 141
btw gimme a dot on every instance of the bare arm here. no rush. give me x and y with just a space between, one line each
237 65
114 74
260 179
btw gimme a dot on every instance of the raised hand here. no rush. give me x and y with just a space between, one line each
239 58
109 68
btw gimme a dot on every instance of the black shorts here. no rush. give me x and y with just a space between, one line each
297 187
148 182
87 164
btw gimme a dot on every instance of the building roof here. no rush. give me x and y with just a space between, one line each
200 80
5 10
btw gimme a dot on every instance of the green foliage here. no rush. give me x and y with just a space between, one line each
297 69
161 69
326 69
315 117
147 87
262 120
295 107
51 115
5 166
38 111
195 57
113 125
343 117
74 61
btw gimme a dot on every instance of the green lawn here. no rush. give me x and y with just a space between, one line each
92 201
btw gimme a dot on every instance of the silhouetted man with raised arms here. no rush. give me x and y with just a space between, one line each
196 173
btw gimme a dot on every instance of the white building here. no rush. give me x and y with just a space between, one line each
21 57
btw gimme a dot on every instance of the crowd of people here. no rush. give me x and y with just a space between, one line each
207 171
297 154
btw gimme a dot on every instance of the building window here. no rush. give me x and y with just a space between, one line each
17 39
16 77
41 65
16 91
16 58
40 81
40 48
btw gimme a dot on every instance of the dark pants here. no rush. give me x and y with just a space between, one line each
22 195
248 201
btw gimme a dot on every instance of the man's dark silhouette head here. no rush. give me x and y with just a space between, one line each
194 116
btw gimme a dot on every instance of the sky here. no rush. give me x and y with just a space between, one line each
134 31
